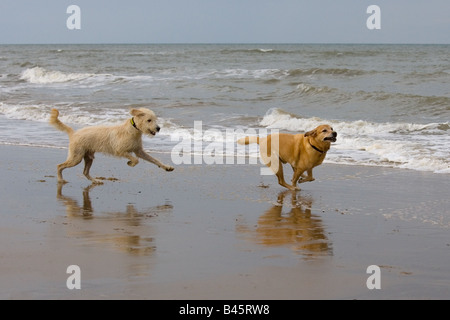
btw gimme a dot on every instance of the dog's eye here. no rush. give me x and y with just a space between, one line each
324 130
149 120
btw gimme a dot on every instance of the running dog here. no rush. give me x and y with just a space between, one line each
302 151
119 141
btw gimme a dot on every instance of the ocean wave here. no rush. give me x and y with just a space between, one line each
308 89
419 100
328 71
28 112
409 103
366 52
280 119
307 50
289 73
77 116
38 75
264 74
254 51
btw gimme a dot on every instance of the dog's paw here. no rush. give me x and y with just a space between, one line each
169 168
132 163
306 179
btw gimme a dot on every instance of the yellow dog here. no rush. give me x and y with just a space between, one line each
302 151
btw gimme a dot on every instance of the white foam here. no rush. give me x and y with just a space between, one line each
38 75
76 116
28 112
265 74
277 118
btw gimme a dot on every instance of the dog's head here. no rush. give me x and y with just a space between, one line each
145 121
323 133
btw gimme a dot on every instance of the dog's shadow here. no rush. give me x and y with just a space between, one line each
298 228
127 231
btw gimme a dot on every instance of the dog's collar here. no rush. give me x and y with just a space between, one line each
134 124
315 148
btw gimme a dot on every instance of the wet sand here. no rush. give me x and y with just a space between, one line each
219 231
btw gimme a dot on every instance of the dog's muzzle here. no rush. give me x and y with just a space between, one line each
333 137
153 133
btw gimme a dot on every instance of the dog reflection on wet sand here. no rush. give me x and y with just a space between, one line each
298 228
121 226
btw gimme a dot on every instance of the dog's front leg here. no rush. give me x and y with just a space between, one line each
143 155
297 173
308 178
133 160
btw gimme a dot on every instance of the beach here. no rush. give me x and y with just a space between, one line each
207 232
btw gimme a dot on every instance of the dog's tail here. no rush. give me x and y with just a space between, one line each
248 140
58 124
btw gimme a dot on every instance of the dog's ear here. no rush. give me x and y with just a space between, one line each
312 133
136 113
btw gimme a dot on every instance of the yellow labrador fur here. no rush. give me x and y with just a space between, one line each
302 151
120 141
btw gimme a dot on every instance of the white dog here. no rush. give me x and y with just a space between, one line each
120 141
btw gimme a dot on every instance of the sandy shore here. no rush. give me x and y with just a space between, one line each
219 232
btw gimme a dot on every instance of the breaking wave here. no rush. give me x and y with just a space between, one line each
38 75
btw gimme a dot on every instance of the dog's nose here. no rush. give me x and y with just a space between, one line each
158 128
335 134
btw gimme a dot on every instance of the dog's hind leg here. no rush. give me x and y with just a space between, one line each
71 161
278 170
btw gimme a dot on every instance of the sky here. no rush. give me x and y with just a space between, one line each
224 21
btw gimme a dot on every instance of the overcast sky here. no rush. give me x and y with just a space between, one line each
224 21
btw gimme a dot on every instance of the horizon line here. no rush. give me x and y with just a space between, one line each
227 43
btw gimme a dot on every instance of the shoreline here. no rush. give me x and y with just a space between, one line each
208 232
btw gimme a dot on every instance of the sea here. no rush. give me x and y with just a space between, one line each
390 104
